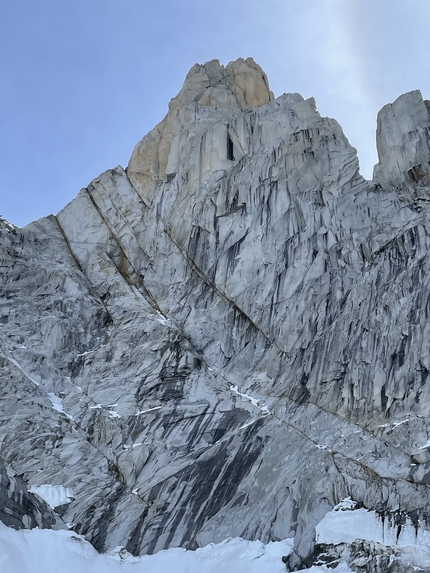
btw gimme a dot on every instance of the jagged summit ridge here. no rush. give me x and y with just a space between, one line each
229 337
239 85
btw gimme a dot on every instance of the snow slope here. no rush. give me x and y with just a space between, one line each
47 551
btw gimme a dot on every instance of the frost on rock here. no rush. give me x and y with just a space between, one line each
54 495
228 337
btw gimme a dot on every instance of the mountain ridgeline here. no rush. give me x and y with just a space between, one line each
228 337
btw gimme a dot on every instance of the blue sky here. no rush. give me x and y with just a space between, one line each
81 82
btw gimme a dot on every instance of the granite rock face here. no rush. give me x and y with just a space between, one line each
21 509
403 141
230 336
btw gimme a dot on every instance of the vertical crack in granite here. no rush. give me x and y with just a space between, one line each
131 277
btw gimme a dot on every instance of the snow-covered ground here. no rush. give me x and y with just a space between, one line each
47 551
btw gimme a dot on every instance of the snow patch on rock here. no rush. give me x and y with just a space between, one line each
347 526
54 495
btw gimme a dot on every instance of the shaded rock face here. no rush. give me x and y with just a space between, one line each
369 557
231 335
21 509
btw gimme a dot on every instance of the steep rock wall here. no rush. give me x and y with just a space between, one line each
230 336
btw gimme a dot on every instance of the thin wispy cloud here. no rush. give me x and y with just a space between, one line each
340 73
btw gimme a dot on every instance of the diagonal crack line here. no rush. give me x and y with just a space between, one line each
131 281
221 294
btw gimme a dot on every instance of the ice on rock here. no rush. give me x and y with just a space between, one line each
57 404
345 504
407 542
54 495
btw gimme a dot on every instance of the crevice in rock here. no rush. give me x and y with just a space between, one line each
131 278
222 295
78 264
